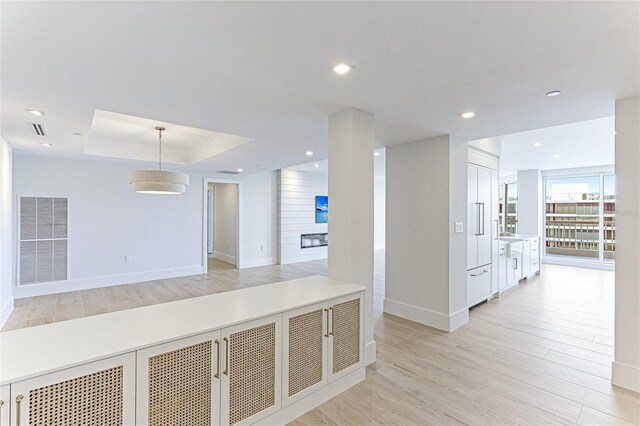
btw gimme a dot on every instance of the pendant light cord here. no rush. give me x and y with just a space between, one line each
160 150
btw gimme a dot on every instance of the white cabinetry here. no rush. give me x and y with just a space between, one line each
482 233
346 336
103 390
179 382
250 385
5 405
502 267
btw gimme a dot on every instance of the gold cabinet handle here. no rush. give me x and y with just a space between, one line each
331 332
326 311
18 401
226 358
217 375
1 404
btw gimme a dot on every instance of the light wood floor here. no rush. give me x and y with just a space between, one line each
539 355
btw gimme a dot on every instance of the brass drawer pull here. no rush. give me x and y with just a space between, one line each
226 361
18 401
217 375
327 312
331 332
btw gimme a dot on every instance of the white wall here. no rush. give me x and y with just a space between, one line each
626 364
107 220
225 221
297 192
259 245
6 231
425 260
379 201
530 198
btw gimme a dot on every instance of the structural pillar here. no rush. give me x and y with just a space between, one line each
351 207
626 363
530 198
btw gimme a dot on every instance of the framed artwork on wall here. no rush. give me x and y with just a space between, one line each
322 208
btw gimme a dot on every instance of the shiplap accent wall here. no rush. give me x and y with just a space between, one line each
297 192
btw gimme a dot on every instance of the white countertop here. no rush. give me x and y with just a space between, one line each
517 237
34 351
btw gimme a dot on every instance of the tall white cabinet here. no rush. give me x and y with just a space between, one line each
482 228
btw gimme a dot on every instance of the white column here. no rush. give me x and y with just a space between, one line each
529 202
626 364
6 230
351 207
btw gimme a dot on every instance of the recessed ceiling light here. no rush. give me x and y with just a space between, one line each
552 93
240 170
468 114
376 154
556 155
537 144
316 165
308 153
569 164
36 112
342 68
48 145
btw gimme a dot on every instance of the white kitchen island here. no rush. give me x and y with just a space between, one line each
260 355
519 258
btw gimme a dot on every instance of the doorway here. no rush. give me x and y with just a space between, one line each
221 225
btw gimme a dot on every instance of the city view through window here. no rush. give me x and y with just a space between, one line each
580 217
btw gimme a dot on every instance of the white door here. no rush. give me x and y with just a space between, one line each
179 382
502 270
473 212
251 370
305 336
5 405
485 234
346 335
526 259
495 231
102 389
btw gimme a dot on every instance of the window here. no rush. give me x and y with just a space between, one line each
508 207
580 217
43 240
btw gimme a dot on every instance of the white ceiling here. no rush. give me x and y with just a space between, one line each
583 144
260 69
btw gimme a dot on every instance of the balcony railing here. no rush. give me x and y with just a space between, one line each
579 238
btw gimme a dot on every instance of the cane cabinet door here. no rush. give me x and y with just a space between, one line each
251 370
304 356
179 382
101 392
346 335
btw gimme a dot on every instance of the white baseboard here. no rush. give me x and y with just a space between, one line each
552 260
224 257
263 261
625 375
426 316
311 401
30 290
370 353
6 311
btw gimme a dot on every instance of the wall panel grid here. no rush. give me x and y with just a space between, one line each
43 239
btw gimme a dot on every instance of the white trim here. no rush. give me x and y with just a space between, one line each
578 263
6 311
225 257
426 316
308 403
260 261
239 231
579 171
39 289
370 354
625 375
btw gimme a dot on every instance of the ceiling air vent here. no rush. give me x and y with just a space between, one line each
229 172
38 129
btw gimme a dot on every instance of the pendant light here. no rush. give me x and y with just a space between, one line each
158 181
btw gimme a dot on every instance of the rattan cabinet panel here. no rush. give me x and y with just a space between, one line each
5 404
304 367
251 373
346 336
178 382
100 393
